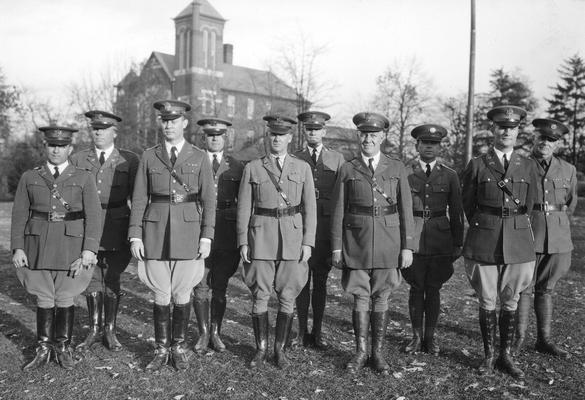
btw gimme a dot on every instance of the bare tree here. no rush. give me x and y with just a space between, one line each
402 94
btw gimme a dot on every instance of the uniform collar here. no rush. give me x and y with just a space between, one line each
219 155
375 162
60 167
423 164
179 146
108 152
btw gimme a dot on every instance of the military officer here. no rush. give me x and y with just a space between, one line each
557 199
54 239
114 171
325 164
276 225
171 228
499 189
223 261
439 240
372 235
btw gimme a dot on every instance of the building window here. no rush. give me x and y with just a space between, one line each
187 53
207 102
212 40
231 105
250 109
181 47
205 48
268 107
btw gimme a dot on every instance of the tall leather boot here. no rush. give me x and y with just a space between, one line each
505 361
162 337
379 322
63 332
432 310
201 308
302 338
45 320
361 323
416 303
283 323
110 340
543 306
260 326
94 311
318 301
217 311
181 314
522 318
487 324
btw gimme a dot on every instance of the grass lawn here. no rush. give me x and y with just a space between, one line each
313 374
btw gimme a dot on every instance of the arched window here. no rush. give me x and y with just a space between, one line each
212 40
181 47
205 48
188 47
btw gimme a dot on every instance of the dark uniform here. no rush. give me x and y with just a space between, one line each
372 224
277 226
173 211
325 165
55 220
114 178
224 259
435 193
557 199
499 247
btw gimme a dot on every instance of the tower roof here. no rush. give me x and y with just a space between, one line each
206 9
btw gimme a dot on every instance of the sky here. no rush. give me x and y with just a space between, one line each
47 45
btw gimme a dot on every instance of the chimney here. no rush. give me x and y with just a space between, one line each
228 53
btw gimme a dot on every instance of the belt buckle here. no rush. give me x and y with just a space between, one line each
376 210
279 212
316 194
505 212
426 214
55 216
177 198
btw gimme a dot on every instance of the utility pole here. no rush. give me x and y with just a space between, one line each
471 90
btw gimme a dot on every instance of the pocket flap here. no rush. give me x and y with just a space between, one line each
74 228
190 214
152 214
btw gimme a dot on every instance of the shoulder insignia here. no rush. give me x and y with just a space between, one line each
447 168
156 146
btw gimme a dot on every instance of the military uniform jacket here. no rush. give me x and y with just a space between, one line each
557 186
55 245
492 239
324 176
227 184
367 241
438 192
271 238
172 230
115 182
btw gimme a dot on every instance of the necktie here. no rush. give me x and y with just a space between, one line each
314 156
544 164
428 171
215 164
102 157
56 173
371 165
506 163
173 155
278 164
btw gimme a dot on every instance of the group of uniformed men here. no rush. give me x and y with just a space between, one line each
289 218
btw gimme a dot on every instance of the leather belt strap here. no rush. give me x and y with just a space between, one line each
114 204
174 198
278 212
427 214
549 207
375 211
502 212
54 216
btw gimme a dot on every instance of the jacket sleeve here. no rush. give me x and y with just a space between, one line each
572 195
405 211
139 199
469 190
532 194
20 211
207 195
134 162
309 208
245 202
93 215
337 210
456 210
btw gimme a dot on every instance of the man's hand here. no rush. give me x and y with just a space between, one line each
305 253
204 249
336 259
19 258
245 253
457 251
137 249
405 258
88 259
75 267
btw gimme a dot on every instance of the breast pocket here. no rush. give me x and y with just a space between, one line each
228 187
295 183
260 188
561 187
121 176
390 184
326 182
488 188
519 187
72 193
39 193
159 181
358 190
190 175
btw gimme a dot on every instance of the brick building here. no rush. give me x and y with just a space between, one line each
202 73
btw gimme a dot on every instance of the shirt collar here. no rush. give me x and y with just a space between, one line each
500 155
376 158
281 158
423 164
60 167
108 151
318 148
179 146
219 155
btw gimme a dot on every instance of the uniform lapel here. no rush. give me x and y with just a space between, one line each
306 156
185 153
554 168
382 166
224 165
161 153
67 173
359 165
494 162
46 173
268 163
113 159
419 173
92 158
515 162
